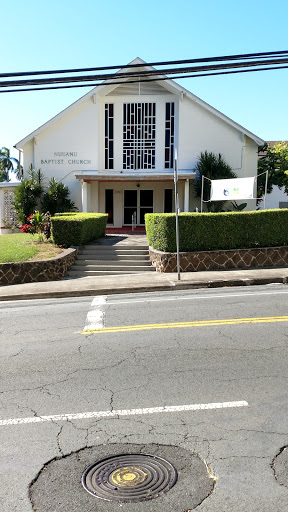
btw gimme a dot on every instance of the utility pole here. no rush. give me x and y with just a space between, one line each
176 212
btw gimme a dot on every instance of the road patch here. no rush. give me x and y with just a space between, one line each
280 466
58 486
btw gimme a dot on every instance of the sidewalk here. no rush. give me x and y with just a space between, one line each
132 283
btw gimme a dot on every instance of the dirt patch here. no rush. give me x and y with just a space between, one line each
45 251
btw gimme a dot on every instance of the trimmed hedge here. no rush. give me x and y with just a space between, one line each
213 231
71 228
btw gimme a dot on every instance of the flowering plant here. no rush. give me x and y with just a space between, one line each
26 228
37 223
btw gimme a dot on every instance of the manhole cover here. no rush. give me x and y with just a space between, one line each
129 477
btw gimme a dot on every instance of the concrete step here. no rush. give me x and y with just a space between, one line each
113 257
112 261
110 257
118 247
91 273
120 268
113 254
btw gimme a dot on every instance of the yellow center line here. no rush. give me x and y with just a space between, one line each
198 323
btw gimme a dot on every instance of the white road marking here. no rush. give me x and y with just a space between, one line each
123 412
197 297
95 317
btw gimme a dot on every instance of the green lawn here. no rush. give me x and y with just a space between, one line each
23 246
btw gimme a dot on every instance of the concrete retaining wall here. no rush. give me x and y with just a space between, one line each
42 270
220 260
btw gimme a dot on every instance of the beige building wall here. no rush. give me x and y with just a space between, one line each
201 130
68 145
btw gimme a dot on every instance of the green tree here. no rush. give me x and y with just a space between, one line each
275 161
4 175
7 163
213 167
28 194
55 199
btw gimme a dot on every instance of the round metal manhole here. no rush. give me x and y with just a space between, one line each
129 478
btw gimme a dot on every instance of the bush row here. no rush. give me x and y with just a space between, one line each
71 228
212 231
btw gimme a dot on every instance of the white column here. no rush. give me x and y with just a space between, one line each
96 196
186 196
84 196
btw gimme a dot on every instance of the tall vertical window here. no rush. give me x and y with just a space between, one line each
109 136
139 124
168 200
109 205
169 135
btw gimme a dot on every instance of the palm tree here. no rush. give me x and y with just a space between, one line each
3 175
7 162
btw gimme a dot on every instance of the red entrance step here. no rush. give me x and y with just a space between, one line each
138 230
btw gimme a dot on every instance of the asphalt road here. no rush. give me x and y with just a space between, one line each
143 383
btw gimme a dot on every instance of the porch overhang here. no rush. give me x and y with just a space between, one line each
133 176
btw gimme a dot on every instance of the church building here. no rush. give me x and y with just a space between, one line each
114 148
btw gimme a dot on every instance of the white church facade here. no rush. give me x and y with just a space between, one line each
114 148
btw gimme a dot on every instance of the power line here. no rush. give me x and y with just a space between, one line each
158 63
114 82
143 73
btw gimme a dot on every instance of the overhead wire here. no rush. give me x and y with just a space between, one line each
148 75
146 72
158 63
142 80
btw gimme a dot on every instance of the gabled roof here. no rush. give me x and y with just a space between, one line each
170 85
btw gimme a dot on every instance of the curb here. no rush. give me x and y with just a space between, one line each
178 285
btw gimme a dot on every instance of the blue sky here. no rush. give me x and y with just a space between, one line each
72 34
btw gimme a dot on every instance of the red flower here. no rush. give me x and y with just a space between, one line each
26 228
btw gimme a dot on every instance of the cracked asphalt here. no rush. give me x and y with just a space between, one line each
49 368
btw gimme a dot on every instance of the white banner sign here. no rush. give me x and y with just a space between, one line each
233 189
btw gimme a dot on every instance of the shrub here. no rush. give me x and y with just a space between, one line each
30 196
26 198
56 198
77 228
214 231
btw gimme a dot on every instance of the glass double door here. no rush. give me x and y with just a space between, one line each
136 204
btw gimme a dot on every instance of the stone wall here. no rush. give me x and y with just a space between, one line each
220 260
42 270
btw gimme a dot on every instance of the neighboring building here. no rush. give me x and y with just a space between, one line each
114 148
8 216
278 197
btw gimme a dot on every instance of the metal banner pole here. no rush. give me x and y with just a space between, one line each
202 191
266 184
176 212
